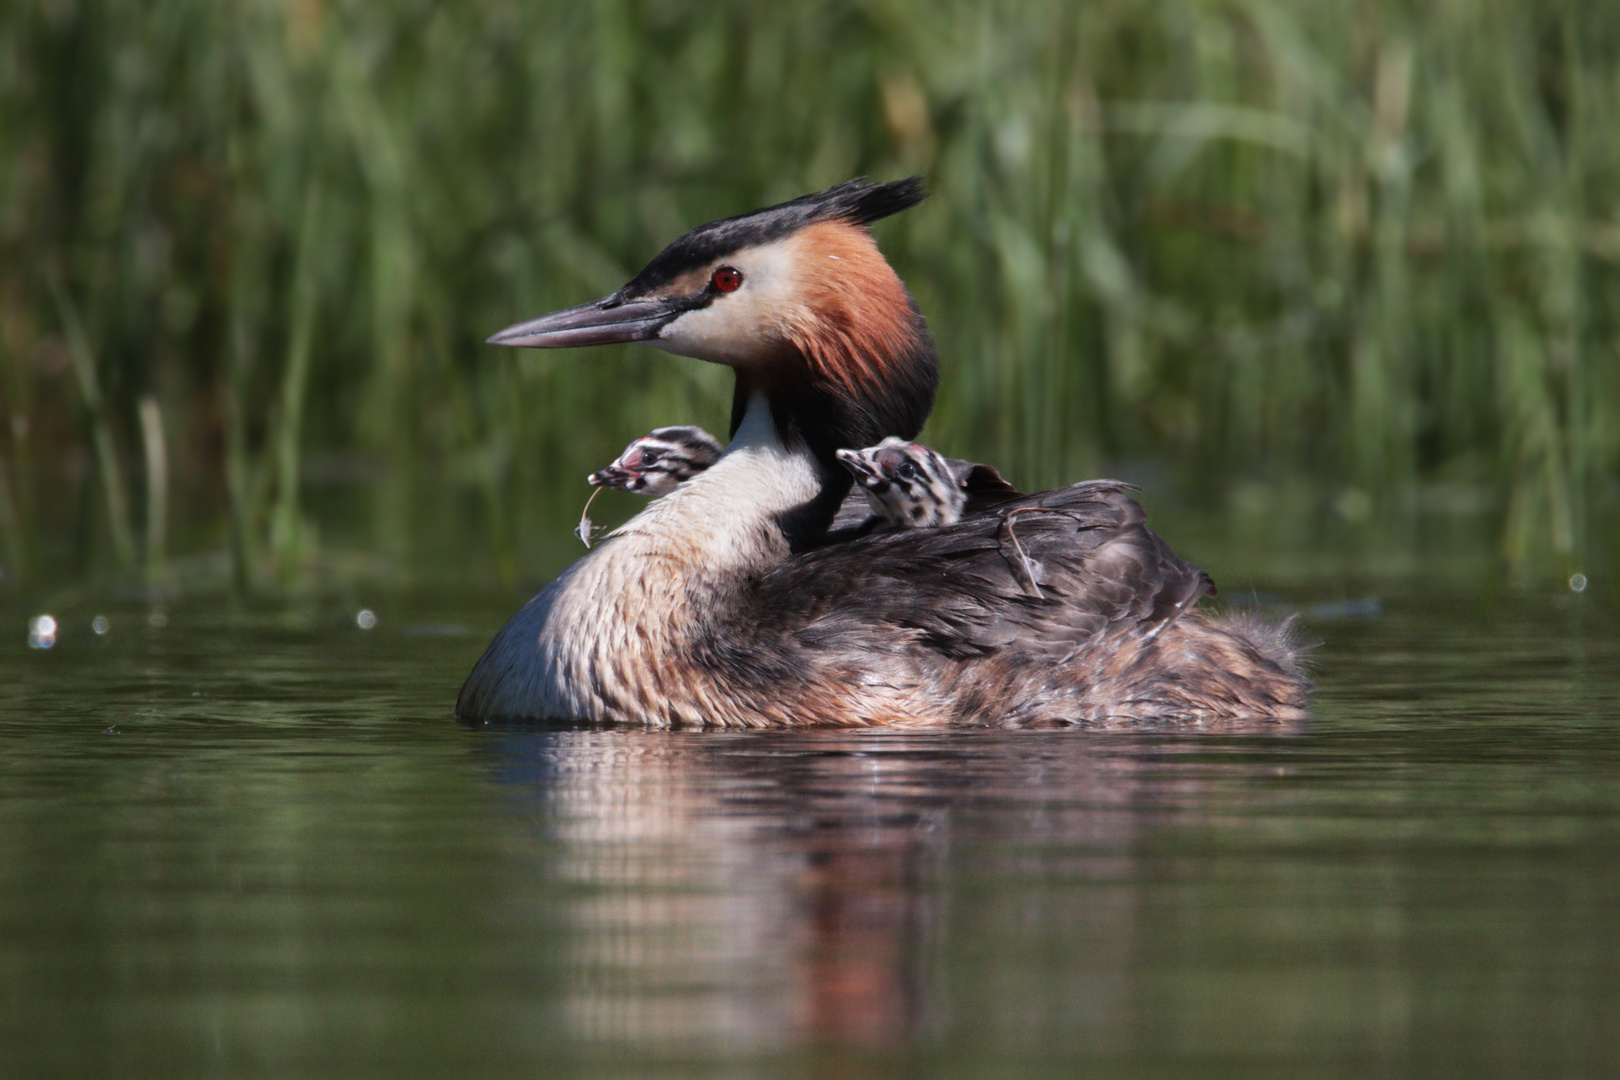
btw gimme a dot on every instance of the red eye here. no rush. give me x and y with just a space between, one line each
726 279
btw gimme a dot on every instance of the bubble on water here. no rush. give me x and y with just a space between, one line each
1577 583
100 625
366 619
42 632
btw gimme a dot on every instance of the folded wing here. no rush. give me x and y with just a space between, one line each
1032 579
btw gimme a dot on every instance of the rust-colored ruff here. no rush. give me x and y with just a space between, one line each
853 320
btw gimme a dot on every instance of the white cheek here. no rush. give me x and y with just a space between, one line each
742 327
732 330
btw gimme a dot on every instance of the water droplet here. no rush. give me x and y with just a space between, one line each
1577 583
366 619
41 632
100 625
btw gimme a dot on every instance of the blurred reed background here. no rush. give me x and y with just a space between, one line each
1337 265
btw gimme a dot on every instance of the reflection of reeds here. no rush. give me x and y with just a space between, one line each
1369 244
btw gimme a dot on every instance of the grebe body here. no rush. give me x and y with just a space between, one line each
730 602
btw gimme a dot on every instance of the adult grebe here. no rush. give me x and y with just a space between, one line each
723 603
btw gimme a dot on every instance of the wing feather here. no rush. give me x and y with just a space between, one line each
1036 577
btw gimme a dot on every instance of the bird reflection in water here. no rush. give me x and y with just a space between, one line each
760 891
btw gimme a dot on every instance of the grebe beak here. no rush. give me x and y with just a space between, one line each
608 321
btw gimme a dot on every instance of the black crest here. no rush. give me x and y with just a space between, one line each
856 202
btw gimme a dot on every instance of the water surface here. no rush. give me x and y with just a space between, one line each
251 841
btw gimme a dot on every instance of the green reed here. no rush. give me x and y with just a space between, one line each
1375 245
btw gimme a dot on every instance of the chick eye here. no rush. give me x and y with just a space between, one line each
726 279
908 470
650 457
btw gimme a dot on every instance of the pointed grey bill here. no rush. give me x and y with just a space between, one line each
608 321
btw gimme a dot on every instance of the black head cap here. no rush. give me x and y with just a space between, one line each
855 202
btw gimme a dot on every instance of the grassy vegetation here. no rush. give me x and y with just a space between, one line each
1364 249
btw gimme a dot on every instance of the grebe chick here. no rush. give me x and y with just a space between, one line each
660 461
726 604
908 485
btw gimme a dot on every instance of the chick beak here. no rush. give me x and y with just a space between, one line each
610 476
855 463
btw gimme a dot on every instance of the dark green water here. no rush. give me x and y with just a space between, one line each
254 843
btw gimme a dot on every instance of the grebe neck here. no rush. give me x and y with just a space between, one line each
754 506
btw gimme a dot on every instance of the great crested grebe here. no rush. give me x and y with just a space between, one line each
660 461
724 603
908 485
